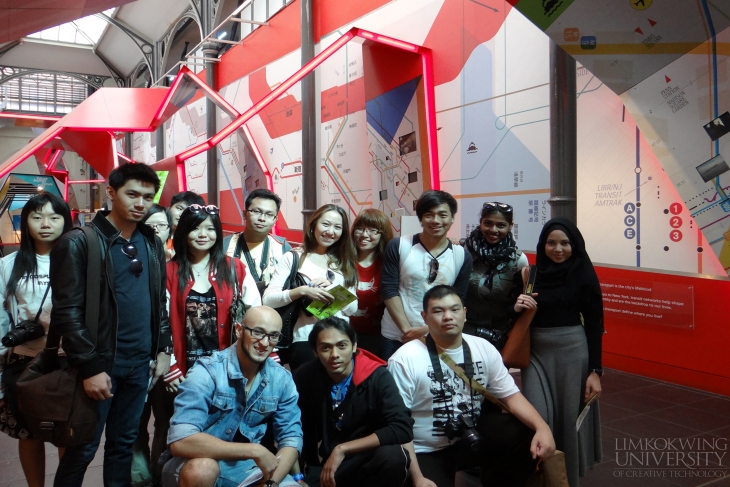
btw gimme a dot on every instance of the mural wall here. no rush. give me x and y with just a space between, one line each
636 207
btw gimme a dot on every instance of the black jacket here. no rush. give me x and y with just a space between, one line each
68 281
373 404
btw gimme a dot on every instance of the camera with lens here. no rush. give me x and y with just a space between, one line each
498 338
25 331
463 426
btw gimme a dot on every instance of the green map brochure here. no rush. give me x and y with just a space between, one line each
323 310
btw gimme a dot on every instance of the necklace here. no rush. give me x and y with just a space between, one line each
199 273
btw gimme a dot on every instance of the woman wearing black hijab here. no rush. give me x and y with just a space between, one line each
566 335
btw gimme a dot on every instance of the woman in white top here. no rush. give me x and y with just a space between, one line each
24 282
326 257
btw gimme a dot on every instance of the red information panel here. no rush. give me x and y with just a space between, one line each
655 302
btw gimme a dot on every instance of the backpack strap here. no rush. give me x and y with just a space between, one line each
458 252
404 250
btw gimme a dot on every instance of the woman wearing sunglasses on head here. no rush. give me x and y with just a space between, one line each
494 282
201 288
371 232
326 257
24 284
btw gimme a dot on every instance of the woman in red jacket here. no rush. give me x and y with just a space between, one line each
201 287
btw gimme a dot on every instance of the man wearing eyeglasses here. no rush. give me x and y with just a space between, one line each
224 407
255 246
132 329
413 264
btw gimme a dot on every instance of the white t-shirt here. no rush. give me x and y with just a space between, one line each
276 298
430 403
276 250
410 280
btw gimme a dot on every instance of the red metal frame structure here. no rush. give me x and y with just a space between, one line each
90 128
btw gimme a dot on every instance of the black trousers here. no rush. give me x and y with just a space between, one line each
504 458
386 466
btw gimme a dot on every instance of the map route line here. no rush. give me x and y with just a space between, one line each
331 163
494 150
503 193
492 98
329 173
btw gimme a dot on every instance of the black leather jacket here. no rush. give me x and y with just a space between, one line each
68 281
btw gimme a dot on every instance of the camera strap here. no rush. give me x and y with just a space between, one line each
466 374
439 374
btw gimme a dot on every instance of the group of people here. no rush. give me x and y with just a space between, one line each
391 387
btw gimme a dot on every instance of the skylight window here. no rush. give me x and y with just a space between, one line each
85 31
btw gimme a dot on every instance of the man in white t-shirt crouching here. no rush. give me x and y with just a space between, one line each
454 428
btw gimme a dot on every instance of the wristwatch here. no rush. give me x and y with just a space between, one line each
271 483
168 350
598 371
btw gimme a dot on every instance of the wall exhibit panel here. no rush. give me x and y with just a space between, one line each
670 108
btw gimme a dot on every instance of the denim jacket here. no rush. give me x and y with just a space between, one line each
212 400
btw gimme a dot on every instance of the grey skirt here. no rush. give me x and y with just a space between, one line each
554 383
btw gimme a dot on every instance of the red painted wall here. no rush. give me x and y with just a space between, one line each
693 357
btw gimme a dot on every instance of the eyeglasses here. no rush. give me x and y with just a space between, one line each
433 270
372 232
274 338
501 207
259 214
158 226
210 209
135 266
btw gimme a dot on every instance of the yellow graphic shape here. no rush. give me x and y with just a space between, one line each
640 4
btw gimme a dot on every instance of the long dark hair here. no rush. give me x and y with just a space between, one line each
189 221
342 251
25 262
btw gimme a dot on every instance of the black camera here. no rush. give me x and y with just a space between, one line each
464 427
498 338
24 332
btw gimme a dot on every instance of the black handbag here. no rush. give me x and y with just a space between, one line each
238 308
51 394
290 312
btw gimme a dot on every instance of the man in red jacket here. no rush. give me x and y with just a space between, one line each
353 416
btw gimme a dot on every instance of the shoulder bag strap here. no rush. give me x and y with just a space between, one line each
236 288
294 270
93 290
40 309
472 383
242 246
528 277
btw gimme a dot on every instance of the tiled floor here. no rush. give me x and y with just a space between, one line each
632 407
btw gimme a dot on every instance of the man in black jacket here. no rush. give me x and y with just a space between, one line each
133 332
352 409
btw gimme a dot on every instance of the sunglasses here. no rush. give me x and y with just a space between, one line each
210 209
433 270
135 266
501 207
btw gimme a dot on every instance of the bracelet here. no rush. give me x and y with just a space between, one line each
298 477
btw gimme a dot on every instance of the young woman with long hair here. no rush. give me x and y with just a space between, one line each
326 257
24 284
201 288
371 232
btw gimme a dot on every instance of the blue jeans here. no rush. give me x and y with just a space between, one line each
120 414
232 473
388 347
